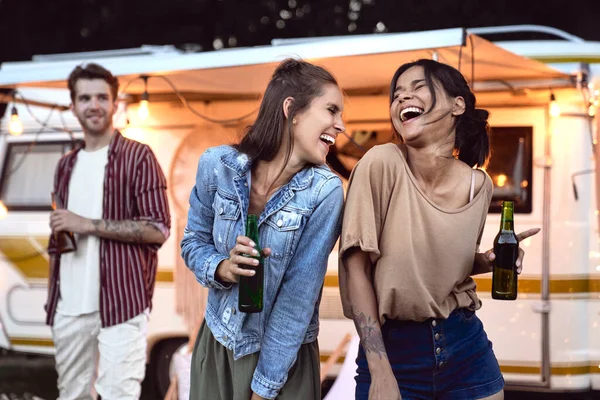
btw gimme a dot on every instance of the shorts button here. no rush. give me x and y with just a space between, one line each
433 323
437 336
438 350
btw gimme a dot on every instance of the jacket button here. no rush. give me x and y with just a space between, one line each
221 210
438 350
437 336
279 223
434 323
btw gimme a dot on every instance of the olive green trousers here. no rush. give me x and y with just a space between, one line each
215 375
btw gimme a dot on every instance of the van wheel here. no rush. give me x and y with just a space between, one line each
160 363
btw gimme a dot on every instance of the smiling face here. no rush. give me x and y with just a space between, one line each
416 115
94 106
317 127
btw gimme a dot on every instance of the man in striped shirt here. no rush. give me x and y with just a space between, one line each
113 194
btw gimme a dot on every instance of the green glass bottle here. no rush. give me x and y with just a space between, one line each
251 287
506 249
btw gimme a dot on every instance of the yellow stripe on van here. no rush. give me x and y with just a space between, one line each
164 275
558 285
331 281
581 368
27 253
526 285
567 59
26 341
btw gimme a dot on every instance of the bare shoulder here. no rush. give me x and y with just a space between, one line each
482 181
480 177
384 154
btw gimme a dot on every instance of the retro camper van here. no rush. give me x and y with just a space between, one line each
542 98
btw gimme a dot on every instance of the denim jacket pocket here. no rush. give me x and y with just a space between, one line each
227 212
285 224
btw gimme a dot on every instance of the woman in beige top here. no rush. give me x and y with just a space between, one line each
414 216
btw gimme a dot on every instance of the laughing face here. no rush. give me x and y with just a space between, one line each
412 113
94 106
317 127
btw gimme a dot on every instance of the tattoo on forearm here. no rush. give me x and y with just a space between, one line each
370 335
126 231
96 223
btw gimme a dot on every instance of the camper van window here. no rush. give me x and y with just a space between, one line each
28 174
511 167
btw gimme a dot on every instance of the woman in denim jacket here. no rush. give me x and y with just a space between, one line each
277 172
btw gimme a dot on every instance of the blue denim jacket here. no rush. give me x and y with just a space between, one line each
300 223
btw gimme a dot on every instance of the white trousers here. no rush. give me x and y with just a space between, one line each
118 352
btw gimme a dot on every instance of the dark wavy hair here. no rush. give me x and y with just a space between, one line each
293 78
92 71
472 141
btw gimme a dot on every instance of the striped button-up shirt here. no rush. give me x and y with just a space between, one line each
134 189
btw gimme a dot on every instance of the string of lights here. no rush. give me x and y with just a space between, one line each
34 117
590 97
32 144
65 127
186 103
16 127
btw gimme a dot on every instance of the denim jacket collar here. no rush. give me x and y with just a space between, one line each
241 164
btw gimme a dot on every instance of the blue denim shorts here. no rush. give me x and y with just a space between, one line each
442 359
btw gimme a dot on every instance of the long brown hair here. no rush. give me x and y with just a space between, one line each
300 80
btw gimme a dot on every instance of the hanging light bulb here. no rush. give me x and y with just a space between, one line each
554 107
143 110
591 110
3 210
15 127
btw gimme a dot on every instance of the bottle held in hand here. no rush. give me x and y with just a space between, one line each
65 241
251 287
506 249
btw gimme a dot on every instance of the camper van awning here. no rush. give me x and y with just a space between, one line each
361 62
